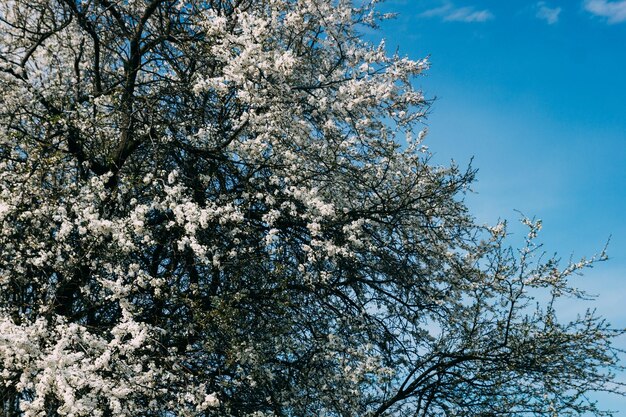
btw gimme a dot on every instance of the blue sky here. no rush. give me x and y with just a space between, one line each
535 91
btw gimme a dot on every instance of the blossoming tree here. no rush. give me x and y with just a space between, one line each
224 208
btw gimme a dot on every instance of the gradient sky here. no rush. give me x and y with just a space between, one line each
535 92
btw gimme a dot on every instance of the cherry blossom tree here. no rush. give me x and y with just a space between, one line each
225 208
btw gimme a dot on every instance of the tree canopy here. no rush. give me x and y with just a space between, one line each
225 208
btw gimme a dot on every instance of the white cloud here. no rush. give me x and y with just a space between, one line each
613 11
448 12
549 14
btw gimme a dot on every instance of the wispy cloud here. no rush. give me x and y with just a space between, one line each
547 13
448 12
613 11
